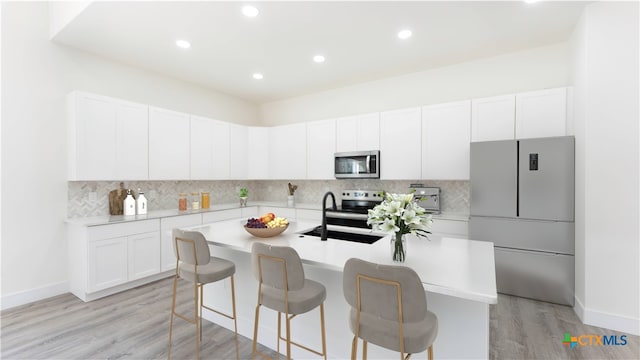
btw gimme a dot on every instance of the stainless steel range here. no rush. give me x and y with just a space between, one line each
354 207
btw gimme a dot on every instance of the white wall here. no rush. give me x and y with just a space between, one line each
606 121
36 76
532 69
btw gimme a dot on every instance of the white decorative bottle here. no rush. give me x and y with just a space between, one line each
141 203
129 204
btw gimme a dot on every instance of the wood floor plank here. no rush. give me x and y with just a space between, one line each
135 325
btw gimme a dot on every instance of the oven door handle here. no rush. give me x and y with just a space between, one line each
341 215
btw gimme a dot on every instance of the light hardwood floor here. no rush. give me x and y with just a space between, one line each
135 325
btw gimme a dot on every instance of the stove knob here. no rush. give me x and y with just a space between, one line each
366 194
343 194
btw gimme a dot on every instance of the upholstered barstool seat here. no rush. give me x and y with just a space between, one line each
195 264
216 269
300 301
417 335
388 308
282 287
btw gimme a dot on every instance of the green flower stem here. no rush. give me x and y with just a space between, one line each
398 250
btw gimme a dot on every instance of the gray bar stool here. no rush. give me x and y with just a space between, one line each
283 288
195 264
388 308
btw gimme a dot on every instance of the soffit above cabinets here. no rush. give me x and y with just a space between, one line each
358 39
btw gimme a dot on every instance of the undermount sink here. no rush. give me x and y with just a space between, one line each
347 236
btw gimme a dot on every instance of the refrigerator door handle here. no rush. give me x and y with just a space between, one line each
539 253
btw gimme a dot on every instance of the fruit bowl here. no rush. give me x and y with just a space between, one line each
266 232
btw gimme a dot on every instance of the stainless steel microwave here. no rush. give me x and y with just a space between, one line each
357 164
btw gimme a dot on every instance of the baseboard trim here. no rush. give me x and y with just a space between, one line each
607 320
28 296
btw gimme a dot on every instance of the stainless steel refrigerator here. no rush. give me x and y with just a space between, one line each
522 200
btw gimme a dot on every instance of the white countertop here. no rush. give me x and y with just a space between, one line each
450 266
158 214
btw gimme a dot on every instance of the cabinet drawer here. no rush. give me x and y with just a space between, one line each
222 215
123 229
180 221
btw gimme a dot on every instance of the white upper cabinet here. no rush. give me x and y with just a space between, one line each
258 156
107 138
360 132
209 149
541 113
446 133
531 114
238 151
400 144
287 152
132 154
493 118
321 146
168 145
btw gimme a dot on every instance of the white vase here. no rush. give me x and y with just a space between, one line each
291 201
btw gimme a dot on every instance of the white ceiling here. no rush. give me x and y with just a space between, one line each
358 39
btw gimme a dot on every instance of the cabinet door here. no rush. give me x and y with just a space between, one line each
92 137
209 149
167 255
321 146
143 255
132 155
493 118
346 134
168 145
288 152
107 263
238 150
258 155
541 113
446 132
368 132
400 144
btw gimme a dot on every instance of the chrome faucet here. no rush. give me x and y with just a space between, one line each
323 232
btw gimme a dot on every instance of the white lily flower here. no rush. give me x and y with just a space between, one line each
389 226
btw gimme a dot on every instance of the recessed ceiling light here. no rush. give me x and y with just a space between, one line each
318 58
250 11
405 34
183 44
258 76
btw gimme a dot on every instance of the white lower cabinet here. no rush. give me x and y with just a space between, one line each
143 255
106 259
167 256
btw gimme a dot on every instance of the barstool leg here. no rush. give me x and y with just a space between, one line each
201 302
278 337
354 348
195 317
364 350
173 309
288 336
235 318
324 339
255 332
430 353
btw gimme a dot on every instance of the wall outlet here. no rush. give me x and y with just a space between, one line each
93 196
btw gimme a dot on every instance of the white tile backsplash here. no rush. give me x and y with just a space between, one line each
91 198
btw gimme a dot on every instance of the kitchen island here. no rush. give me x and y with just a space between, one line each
458 276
